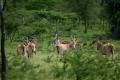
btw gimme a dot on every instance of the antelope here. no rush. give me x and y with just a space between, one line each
104 47
61 47
33 43
75 45
27 48
21 47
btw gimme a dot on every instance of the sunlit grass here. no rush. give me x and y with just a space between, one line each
91 64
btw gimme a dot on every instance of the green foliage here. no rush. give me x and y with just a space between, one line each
20 68
113 11
36 21
84 63
42 26
11 23
40 4
86 10
42 18
87 65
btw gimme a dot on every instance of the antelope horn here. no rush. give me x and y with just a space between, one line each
71 37
74 38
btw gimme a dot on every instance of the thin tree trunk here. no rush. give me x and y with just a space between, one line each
103 24
3 56
85 30
79 21
3 70
77 76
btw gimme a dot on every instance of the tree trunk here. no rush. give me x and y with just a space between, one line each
3 56
77 76
85 30
103 24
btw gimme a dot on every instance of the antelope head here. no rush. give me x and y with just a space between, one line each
73 42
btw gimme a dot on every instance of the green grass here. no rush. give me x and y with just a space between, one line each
89 63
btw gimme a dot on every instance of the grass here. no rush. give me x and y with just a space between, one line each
89 64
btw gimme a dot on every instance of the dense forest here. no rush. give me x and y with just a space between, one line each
59 39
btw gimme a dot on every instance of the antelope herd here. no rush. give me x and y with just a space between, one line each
28 47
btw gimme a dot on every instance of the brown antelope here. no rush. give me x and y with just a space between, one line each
33 43
61 47
27 48
75 45
104 47
21 47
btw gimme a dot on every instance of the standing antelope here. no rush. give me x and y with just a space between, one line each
30 49
21 47
75 42
61 47
27 47
33 44
104 47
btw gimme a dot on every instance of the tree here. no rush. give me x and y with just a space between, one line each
85 9
3 56
39 4
112 8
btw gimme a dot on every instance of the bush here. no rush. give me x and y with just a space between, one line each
83 65
19 68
